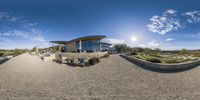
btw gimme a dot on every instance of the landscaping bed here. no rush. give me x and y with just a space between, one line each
162 66
162 58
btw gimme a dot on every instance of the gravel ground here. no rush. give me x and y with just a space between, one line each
26 77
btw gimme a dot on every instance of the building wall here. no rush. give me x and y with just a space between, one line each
71 47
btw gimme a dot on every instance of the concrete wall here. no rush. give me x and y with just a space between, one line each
162 66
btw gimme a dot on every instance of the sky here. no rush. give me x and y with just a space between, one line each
165 24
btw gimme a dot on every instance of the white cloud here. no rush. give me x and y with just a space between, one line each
36 31
2 15
115 41
37 35
29 24
15 33
7 17
169 39
152 44
19 27
6 40
193 16
38 38
165 23
170 11
198 34
193 35
34 35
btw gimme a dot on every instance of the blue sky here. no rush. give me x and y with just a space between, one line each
165 24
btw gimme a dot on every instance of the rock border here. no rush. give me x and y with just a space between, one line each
162 67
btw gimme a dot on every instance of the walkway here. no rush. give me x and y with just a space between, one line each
26 77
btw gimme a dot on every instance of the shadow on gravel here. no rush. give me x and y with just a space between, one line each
159 70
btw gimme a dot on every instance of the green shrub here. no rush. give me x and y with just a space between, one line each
133 53
94 61
1 54
154 60
155 55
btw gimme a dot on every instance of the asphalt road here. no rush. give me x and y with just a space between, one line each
26 77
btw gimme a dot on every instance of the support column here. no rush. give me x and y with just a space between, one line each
80 45
59 49
99 45
52 48
37 51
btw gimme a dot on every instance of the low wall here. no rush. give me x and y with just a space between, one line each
178 66
59 55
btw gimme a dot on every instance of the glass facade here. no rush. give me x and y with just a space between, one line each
104 47
90 45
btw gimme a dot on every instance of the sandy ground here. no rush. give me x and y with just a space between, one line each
26 77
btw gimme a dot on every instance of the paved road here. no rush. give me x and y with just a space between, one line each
26 77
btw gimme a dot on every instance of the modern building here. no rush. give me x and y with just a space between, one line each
86 44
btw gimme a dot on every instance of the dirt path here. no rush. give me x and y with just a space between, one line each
26 77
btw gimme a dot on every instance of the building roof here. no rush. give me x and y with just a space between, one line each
106 43
94 37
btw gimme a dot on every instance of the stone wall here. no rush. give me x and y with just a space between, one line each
60 55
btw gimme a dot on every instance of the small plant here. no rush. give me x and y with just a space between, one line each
105 56
94 61
154 60
133 53
171 61
1 54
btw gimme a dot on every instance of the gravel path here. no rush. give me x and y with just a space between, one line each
26 77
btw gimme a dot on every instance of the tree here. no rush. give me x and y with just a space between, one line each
34 49
121 48
184 52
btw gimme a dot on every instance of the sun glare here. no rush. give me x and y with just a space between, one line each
134 39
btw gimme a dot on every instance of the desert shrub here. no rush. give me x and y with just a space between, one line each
16 52
155 55
141 56
154 60
1 54
171 61
133 53
196 54
94 61
105 56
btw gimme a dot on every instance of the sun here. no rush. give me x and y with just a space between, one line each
134 39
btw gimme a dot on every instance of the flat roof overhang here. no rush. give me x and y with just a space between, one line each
95 37
106 43
85 38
